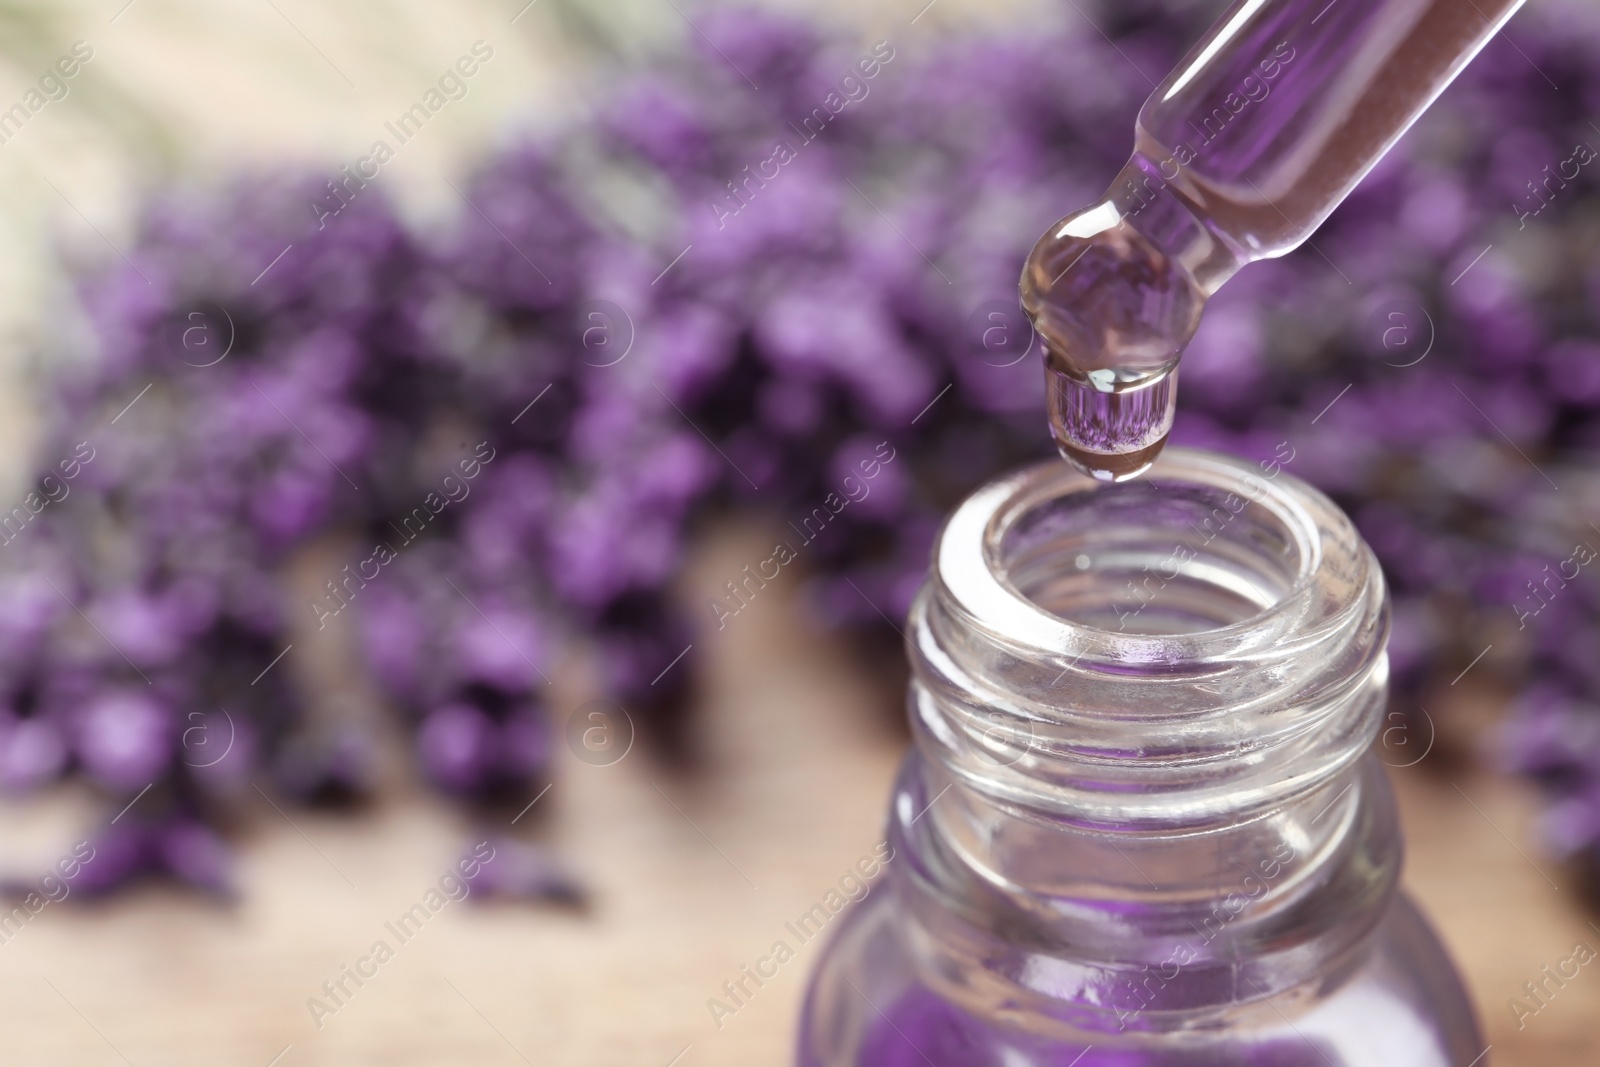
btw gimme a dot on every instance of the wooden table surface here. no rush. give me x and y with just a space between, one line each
692 877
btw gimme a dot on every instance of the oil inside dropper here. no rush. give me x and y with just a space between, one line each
1114 312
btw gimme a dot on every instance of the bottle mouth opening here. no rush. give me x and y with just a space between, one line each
1203 555
1213 632
1157 556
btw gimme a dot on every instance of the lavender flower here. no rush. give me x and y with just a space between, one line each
309 386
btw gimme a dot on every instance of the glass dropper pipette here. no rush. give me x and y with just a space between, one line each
1251 141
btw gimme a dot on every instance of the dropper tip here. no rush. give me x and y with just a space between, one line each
1111 467
1110 435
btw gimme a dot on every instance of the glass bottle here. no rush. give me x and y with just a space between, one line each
1140 823
1239 154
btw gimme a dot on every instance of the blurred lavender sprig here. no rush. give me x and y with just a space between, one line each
664 316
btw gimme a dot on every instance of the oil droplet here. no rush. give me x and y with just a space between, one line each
1115 313
1110 435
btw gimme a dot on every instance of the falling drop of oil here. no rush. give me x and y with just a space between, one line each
1115 313
1111 435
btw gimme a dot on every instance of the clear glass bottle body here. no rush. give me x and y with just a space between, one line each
1140 823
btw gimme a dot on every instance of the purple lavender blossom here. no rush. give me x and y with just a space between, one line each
842 301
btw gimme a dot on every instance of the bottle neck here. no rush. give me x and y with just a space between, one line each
1138 790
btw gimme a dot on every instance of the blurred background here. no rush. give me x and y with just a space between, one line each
425 441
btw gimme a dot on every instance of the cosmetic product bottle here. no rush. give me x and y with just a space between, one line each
1141 822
